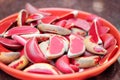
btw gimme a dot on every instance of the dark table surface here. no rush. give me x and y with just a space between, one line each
108 9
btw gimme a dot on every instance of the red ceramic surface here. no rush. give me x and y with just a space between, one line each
76 76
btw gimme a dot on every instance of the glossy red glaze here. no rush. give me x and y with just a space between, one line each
107 39
7 22
49 19
94 31
33 52
79 23
33 17
91 17
61 23
21 30
103 30
63 64
22 16
9 43
75 76
72 14
111 52
3 49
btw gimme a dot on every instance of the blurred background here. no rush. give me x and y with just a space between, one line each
108 9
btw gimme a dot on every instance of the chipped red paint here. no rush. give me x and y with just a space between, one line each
17 64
